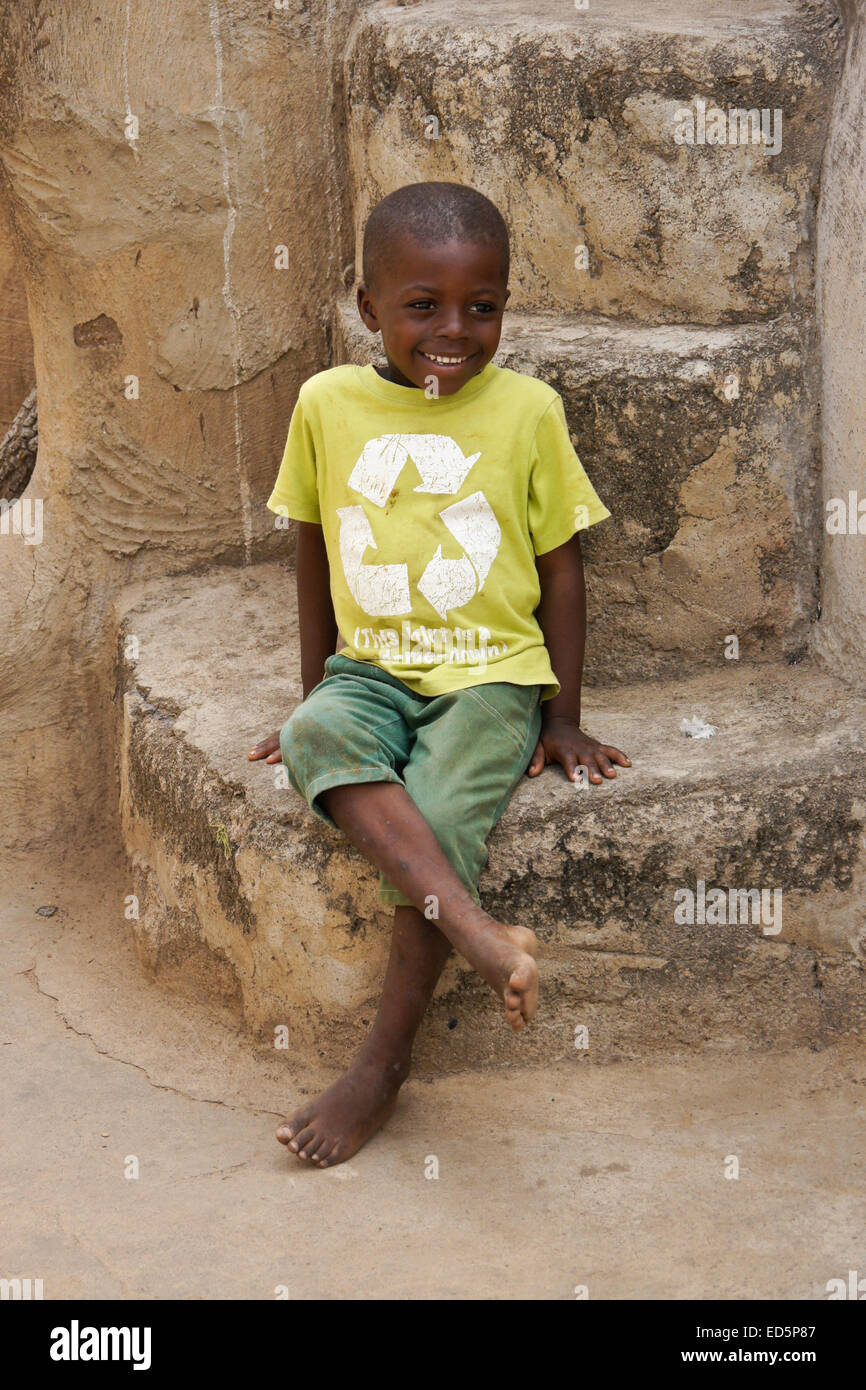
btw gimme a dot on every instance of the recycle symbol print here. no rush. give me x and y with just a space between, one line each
383 590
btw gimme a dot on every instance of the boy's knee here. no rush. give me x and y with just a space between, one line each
307 733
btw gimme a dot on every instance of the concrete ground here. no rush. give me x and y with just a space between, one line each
607 1177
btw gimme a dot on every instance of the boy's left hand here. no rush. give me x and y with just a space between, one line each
562 741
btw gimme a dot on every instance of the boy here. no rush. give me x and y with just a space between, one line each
460 607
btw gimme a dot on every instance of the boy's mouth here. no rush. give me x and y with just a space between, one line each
448 361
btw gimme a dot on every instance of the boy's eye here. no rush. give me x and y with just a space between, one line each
425 304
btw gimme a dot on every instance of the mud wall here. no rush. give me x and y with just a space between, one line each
841 637
17 374
173 173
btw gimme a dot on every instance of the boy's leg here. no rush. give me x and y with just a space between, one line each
382 820
384 823
342 748
395 835
471 748
352 726
332 1127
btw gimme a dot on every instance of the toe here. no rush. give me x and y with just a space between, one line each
524 982
301 1139
310 1147
522 976
323 1149
293 1125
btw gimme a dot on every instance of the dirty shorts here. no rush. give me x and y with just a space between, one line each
459 756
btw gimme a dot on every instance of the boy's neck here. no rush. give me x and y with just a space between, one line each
387 374
396 377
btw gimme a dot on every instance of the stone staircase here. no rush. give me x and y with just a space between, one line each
666 290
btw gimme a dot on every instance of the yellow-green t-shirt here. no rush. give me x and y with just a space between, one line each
433 509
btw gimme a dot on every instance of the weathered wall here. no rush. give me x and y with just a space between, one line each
841 634
17 375
565 120
152 259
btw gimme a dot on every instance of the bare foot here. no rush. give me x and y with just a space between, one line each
504 955
337 1123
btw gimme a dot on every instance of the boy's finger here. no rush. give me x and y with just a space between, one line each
616 755
264 745
592 773
573 766
276 757
604 764
536 762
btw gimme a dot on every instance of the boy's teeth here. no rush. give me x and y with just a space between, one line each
445 361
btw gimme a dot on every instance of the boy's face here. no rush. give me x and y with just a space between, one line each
441 301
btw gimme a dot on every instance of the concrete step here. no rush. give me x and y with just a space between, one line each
245 895
701 442
566 118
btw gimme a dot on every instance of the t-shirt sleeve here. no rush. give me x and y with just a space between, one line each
562 500
296 492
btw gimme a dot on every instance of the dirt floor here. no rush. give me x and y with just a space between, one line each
610 1179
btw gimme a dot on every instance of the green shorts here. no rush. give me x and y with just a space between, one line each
459 756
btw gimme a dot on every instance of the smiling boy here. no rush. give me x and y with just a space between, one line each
439 504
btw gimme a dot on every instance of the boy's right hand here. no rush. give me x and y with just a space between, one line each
268 748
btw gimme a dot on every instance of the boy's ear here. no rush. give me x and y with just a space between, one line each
367 309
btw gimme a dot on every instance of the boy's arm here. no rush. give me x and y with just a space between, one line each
561 615
316 620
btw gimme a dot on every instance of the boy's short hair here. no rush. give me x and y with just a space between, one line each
430 213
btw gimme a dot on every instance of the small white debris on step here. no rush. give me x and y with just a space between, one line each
697 728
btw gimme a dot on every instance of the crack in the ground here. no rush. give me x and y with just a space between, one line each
136 1066
218 1172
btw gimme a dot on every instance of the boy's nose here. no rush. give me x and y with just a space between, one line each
452 325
